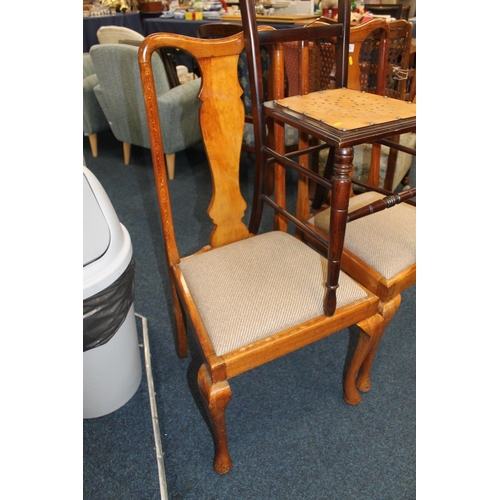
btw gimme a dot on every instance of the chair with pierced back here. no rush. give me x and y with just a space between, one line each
367 70
381 165
382 72
367 67
249 297
395 159
400 84
379 245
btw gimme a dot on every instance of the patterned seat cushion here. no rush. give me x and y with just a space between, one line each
386 240
260 286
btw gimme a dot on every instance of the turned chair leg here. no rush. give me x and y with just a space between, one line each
387 310
93 144
215 398
126 152
170 159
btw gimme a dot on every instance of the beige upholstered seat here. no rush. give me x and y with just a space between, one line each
238 311
386 240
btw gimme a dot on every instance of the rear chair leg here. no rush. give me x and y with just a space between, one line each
215 398
181 340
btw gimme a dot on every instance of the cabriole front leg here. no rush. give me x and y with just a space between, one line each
387 311
215 398
370 331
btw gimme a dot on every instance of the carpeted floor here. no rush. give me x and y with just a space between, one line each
291 435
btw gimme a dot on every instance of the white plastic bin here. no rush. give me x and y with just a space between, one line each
112 371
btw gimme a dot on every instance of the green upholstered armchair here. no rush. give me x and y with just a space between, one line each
94 120
119 93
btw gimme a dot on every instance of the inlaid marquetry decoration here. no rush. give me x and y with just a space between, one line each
347 109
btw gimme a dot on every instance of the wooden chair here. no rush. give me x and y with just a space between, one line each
368 56
382 71
249 297
372 70
379 251
342 118
398 60
367 69
400 84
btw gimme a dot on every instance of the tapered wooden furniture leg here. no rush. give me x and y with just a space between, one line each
215 398
170 159
93 144
369 332
126 152
387 311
